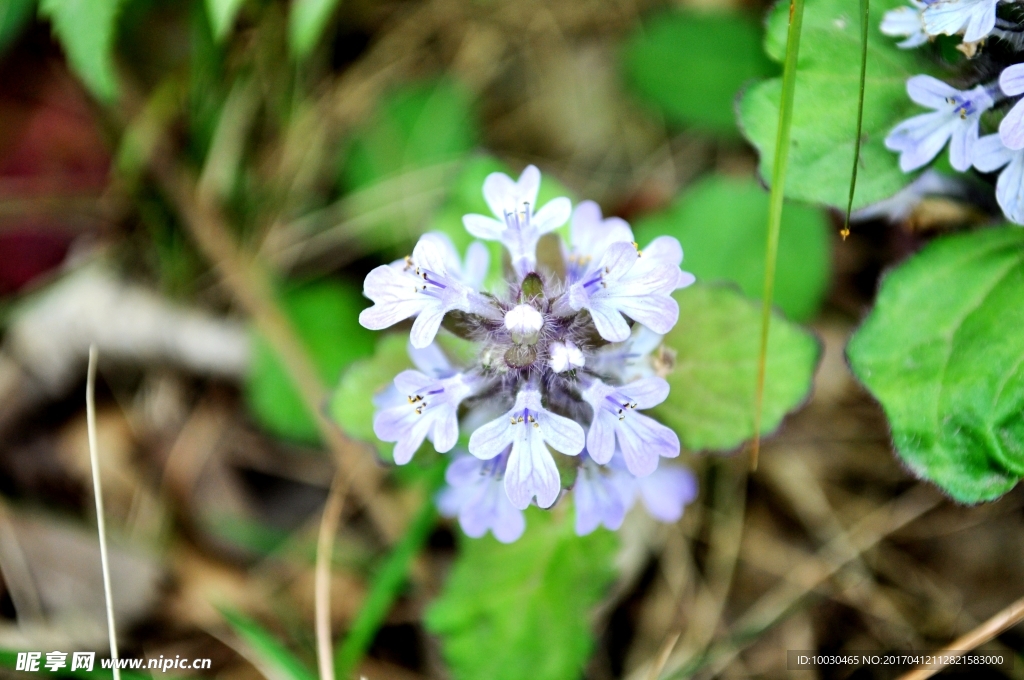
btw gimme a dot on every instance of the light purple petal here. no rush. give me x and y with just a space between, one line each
930 92
431 360
601 436
478 260
562 434
1011 80
1011 129
609 322
426 325
961 145
667 491
598 500
531 472
509 522
990 154
491 439
921 138
643 440
1010 189
503 195
981 21
554 214
658 312
905 21
646 393
463 471
487 228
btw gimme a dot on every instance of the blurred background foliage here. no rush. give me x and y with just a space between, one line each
202 174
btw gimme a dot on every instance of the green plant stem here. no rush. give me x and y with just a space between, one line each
796 18
388 581
865 21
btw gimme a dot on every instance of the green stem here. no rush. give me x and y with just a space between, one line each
865 20
388 581
796 17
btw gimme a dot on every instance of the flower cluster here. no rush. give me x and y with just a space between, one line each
993 43
568 359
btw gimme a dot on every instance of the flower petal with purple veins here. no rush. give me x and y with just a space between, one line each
426 285
529 428
430 410
519 224
956 115
617 422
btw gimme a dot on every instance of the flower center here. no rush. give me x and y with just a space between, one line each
524 323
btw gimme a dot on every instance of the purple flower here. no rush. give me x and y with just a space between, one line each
618 287
975 18
605 493
630 360
1011 128
906 22
666 492
559 359
517 226
990 155
954 119
602 495
475 494
617 421
429 411
426 285
530 429
590 235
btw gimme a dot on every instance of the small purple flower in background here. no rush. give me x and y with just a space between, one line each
906 22
605 493
475 494
990 155
563 361
954 119
975 18
600 494
1011 128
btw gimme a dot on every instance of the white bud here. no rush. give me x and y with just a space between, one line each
565 356
524 323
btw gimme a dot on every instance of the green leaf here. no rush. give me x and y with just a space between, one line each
273 657
222 15
721 223
943 352
86 30
716 343
325 316
825 108
522 611
418 125
351 404
306 24
14 16
692 65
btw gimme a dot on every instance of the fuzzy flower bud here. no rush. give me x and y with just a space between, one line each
524 323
